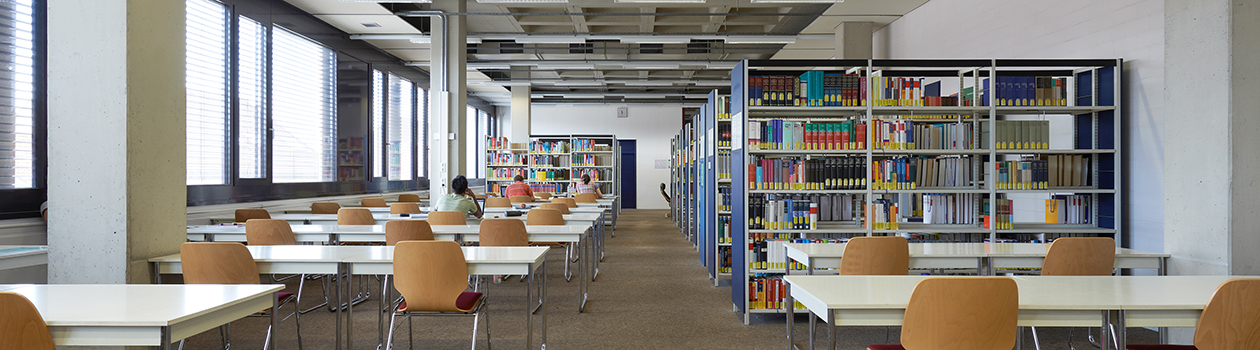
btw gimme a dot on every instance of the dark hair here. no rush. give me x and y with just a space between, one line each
459 184
586 179
518 178
662 186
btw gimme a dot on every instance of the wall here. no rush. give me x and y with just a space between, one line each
1131 29
651 125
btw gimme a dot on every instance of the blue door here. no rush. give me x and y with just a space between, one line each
628 171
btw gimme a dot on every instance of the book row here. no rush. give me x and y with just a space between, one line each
350 174
549 174
508 173
955 208
778 134
589 145
905 134
595 174
350 158
498 143
1067 209
768 293
724 135
1022 134
549 161
549 147
1029 91
507 159
590 160
998 214
724 197
908 173
824 173
724 165
798 212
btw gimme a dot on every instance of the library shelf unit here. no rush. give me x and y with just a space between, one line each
551 163
504 160
683 191
350 159
965 150
713 186
598 156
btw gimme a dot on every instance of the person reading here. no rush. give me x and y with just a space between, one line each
518 188
461 199
587 187
667 200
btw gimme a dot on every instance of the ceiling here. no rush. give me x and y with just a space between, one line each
627 52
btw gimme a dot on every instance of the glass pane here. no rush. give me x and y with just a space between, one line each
422 127
304 109
207 90
401 115
252 97
17 91
378 123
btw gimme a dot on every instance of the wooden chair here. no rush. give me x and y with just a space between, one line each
960 313
563 208
566 201
243 215
876 256
21 326
543 195
432 277
407 230
410 198
1080 256
545 216
324 208
520 199
404 208
503 233
269 232
231 263
1230 320
585 198
498 202
355 216
447 218
373 203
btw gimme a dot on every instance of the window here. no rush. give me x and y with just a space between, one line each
378 123
401 115
422 127
303 109
470 143
483 131
17 92
206 83
252 98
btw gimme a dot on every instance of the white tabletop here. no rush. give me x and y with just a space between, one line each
571 210
376 233
133 314
17 256
1004 255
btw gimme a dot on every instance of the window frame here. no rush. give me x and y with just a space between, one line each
24 202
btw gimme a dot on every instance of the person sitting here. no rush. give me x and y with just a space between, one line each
586 187
461 199
518 188
667 200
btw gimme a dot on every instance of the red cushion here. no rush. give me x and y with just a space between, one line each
1161 347
885 347
465 301
282 296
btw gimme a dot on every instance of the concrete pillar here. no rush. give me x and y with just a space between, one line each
448 96
1210 170
520 106
116 139
853 41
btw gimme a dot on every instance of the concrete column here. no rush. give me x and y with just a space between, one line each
520 106
1210 170
116 138
853 41
448 95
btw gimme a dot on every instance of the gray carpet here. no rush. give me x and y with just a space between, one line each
651 292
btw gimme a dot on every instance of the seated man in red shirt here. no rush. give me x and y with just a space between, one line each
519 188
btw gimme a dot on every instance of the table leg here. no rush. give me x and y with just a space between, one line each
791 320
529 309
271 331
1122 332
157 272
337 285
813 328
1163 271
543 302
831 329
349 312
583 269
166 337
1104 341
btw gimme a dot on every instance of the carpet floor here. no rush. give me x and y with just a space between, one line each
651 293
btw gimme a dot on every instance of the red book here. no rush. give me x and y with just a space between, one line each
861 136
845 137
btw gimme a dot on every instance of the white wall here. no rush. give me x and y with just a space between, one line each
652 126
1130 29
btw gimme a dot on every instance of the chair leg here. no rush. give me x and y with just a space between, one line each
489 343
267 340
389 339
476 318
410 342
297 316
1037 341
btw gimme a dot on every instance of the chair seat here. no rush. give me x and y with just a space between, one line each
553 244
885 347
282 296
465 301
1160 347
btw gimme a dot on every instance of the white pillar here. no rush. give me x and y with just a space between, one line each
520 106
853 41
116 139
448 95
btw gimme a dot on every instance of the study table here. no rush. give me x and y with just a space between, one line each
142 314
19 256
1050 301
342 260
986 258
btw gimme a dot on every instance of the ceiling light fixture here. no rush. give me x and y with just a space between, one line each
649 65
647 83
371 25
749 39
655 40
429 40
550 39
578 83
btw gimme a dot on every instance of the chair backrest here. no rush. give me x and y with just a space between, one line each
520 199
503 233
480 196
498 202
545 216
1080 256
324 208
374 202
567 201
217 263
543 195
21 326
1231 320
407 230
961 313
876 256
409 198
447 218
404 208
243 215
430 275
269 232
355 216
585 198
563 208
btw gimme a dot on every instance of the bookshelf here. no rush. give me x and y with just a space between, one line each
551 163
933 150
350 164
599 157
714 187
683 189
504 160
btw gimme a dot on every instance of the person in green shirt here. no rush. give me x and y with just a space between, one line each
461 199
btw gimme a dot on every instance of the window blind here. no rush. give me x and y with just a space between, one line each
422 127
251 91
206 85
17 90
378 123
401 116
303 109
470 142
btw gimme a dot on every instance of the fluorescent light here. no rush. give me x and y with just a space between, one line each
566 66
647 83
578 83
429 40
720 65
550 39
655 40
752 39
519 1
712 83
649 65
